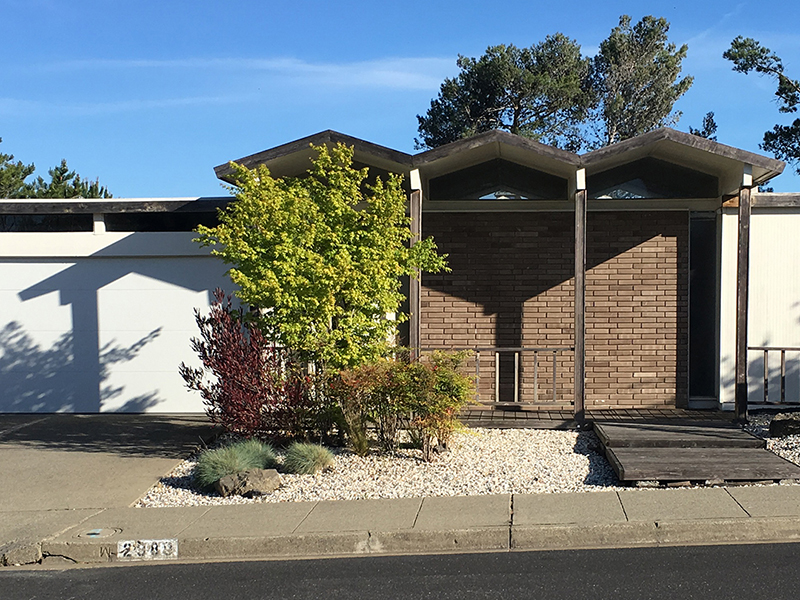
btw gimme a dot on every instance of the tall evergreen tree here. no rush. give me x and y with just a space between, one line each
66 184
13 176
538 92
709 129
63 183
636 75
748 55
551 93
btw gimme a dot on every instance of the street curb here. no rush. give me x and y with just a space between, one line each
486 539
315 545
20 553
658 533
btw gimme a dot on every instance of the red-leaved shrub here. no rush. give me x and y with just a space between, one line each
249 386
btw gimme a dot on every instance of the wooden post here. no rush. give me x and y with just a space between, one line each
580 295
414 284
742 275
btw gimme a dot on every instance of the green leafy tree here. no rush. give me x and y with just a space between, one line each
322 255
538 92
709 128
636 75
748 55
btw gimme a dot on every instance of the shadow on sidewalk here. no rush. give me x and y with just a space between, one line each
151 435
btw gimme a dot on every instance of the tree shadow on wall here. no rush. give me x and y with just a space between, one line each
46 379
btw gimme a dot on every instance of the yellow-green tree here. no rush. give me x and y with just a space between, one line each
322 256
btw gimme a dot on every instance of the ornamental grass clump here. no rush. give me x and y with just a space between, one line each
231 459
307 459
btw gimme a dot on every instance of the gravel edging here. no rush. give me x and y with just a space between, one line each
787 447
482 461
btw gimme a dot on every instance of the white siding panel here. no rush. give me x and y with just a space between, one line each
774 301
101 334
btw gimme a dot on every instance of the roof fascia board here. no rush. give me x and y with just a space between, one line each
367 152
650 144
468 152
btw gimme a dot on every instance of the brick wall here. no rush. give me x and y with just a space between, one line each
511 285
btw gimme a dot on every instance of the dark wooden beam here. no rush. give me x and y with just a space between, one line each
78 206
415 287
742 274
765 200
580 304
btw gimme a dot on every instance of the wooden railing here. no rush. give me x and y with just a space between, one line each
783 350
549 356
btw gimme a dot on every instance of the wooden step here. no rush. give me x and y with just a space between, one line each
699 464
663 435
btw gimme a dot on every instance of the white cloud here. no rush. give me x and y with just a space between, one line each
18 107
394 73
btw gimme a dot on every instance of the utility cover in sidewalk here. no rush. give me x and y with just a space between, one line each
99 533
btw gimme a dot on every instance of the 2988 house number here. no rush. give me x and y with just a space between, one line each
147 549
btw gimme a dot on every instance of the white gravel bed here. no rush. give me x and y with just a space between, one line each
787 447
482 461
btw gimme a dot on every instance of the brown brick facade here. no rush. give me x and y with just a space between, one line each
511 285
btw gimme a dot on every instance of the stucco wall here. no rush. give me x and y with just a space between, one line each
98 323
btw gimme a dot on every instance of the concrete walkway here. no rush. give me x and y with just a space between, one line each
83 513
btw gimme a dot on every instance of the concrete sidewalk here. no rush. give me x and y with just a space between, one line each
444 524
84 533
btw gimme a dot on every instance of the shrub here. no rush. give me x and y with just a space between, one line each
254 387
426 395
231 459
307 459
364 396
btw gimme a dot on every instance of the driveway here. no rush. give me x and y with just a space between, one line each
56 462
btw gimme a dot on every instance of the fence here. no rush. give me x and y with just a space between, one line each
793 371
523 375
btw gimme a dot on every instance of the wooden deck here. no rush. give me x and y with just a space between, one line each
514 416
689 451
664 445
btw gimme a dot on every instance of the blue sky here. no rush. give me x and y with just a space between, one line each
150 96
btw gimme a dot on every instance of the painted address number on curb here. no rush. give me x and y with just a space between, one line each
147 549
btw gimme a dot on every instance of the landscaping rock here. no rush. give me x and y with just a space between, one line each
252 483
784 424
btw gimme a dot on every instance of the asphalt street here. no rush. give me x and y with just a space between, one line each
678 573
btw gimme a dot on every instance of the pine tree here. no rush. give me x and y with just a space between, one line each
538 92
748 55
13 176
636 76
66 184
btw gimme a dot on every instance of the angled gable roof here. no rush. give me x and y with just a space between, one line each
293 158
687 150
496 144
726 163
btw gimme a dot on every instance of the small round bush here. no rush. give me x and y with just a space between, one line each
306 459
231 459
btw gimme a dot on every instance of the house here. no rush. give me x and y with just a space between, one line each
659 218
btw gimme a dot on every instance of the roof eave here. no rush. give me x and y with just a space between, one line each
293 158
